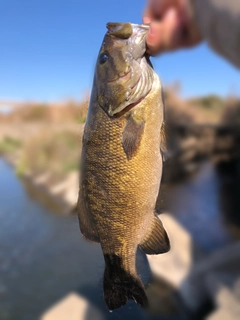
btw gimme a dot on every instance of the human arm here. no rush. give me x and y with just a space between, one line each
184 23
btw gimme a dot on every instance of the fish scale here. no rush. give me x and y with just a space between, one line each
121 172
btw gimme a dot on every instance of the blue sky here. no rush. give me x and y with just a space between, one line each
48 50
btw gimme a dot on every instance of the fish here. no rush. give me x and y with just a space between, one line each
121 162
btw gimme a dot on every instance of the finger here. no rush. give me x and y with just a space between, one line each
147 15
154 10
164 35
172 30
154 38
147 20
159 7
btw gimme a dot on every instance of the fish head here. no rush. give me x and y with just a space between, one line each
123 75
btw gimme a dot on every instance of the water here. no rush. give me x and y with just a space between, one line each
196 205
43 257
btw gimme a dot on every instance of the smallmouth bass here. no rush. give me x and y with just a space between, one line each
121 164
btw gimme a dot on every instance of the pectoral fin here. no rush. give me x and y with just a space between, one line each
157 240
132 135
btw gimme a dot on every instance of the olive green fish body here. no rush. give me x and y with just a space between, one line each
120 179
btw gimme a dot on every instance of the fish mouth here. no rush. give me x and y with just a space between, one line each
122 78
125 30
133 82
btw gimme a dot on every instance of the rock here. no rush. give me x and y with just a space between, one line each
72 307
223 314
223 288
190 271
237 288
216 282
227 258
229 305
71 194
42 179
67 189
203 282
226 299
175 266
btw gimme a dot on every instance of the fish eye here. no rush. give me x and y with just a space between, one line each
103 58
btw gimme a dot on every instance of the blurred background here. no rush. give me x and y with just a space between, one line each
47 270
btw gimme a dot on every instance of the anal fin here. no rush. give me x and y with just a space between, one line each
157 240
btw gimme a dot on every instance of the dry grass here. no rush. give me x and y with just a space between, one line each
58 151
55 152
204 110
69 111
44 148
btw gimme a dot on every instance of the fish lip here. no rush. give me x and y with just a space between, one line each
125 76
142 26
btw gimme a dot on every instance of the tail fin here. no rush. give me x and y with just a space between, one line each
120 285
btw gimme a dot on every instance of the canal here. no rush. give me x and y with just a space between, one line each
43 256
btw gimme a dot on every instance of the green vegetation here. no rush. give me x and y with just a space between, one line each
50 141
69 111
9 145
36 113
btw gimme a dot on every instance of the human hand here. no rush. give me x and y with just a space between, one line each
171 26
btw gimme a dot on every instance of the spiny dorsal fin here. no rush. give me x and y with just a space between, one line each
157 240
